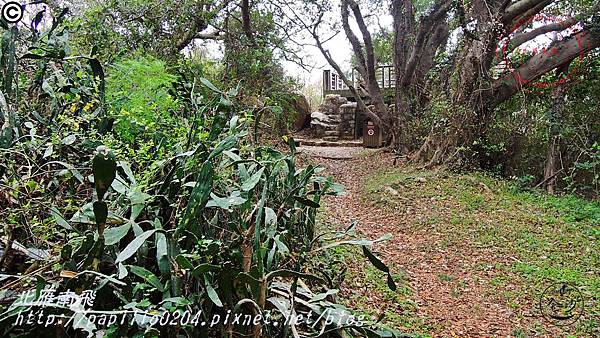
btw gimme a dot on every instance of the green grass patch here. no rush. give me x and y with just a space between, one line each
535 239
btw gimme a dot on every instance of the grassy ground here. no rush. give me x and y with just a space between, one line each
485 248
529 241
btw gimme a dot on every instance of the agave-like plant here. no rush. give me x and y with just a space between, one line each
223 227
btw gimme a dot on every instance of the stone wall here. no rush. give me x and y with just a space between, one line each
335 119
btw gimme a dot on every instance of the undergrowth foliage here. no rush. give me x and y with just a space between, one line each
139 92
214 224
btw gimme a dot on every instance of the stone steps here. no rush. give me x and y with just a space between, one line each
334 119
328 143
325 126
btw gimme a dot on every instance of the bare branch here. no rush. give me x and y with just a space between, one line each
214 35
354 42
370 65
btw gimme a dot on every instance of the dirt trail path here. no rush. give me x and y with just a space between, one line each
466 310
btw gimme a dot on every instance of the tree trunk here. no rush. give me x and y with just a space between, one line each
550 172
470 104
415 47
246 21
554 117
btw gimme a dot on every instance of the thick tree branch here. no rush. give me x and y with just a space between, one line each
558 54
521 38
404 27
428 25
354 42
370 65
521 7
366 61
438 39
198 26
214 35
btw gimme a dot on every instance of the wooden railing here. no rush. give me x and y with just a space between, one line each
332 82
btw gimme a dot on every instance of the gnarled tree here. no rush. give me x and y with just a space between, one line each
475 92
416 44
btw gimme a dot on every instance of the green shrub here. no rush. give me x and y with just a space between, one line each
225 224
138 92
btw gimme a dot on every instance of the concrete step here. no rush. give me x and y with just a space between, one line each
328 143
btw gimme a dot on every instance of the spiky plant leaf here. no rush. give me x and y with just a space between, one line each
104 168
